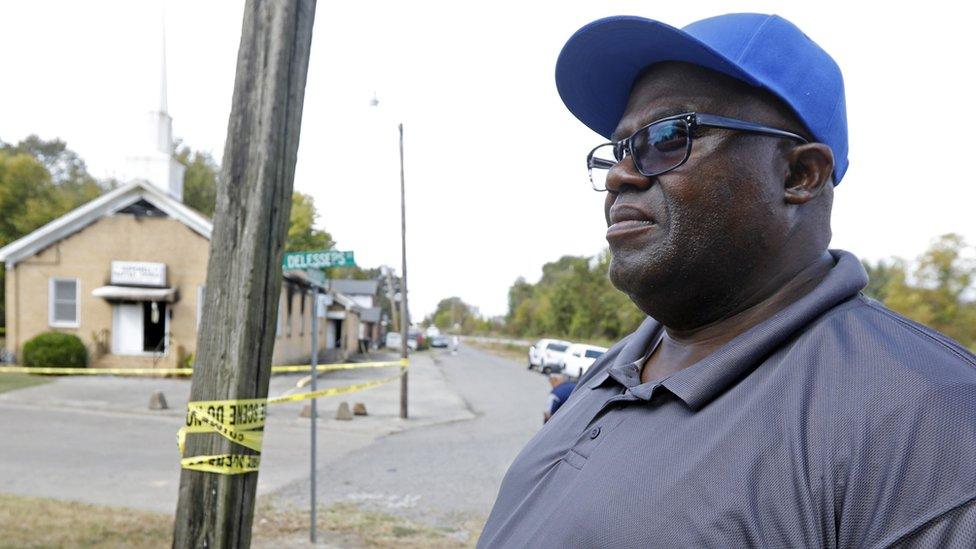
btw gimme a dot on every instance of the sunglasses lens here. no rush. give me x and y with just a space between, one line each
660 147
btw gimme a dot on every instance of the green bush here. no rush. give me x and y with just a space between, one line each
55 349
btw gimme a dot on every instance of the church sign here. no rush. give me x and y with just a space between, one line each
138 273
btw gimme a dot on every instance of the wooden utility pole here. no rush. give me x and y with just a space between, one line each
404 314
236 340
389 296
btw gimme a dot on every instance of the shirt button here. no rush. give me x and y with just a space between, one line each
594 432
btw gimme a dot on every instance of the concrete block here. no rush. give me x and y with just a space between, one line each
359 409
157 401
343 412
307 411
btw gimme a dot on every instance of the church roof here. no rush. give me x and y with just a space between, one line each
136 194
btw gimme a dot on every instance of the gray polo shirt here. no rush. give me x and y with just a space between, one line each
834 423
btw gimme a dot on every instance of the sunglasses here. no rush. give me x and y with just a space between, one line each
665 144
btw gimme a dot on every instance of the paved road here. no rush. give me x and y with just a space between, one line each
94 440
443 473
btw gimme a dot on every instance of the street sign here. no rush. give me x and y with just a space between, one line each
317 260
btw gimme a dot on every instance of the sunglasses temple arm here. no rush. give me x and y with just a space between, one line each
741 125
600 163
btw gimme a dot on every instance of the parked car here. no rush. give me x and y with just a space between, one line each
416 339
580 357
440 340
547 355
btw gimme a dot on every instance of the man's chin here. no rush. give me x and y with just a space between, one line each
637 278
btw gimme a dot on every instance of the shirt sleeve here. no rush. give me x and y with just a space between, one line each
954 529
553 404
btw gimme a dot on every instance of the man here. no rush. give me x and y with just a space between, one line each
764 402
562 387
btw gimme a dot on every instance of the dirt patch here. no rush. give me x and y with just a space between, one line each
348 525
41 522
518 353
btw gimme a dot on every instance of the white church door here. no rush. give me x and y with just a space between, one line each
127 329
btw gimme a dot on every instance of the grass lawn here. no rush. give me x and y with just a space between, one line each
41 522
12 382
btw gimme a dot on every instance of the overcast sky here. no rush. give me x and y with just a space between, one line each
496 184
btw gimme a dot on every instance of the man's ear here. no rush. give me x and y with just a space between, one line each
811 167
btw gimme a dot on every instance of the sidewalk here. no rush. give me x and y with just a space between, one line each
94 439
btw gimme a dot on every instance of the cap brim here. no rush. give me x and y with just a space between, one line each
597 66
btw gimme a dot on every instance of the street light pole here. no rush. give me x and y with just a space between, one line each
404 321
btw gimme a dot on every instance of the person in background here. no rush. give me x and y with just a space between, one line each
562 387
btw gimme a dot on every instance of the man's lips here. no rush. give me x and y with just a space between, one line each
626 212
628 227
626 219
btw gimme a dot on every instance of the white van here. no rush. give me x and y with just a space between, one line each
547 355
580 357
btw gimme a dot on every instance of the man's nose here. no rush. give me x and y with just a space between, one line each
624 176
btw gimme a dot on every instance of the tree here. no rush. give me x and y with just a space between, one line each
67 170
302 234
880 276
453 313
200 193
39 182
937 292
573 299
26 195
517 294
199 180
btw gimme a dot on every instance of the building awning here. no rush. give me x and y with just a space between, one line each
133 293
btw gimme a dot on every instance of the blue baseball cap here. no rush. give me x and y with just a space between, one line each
598 65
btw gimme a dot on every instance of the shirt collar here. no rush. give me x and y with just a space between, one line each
698 384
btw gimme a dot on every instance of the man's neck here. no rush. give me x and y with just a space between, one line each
682 348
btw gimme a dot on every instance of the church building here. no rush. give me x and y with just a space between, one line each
126 273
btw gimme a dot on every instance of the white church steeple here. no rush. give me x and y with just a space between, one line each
155 162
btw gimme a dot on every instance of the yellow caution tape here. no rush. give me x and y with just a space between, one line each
292 368
242 422
295 368
332 391
96 371
236 420
223 464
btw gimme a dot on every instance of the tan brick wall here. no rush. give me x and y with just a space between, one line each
87 255
294 346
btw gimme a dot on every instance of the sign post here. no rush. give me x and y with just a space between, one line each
310 262
315 374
